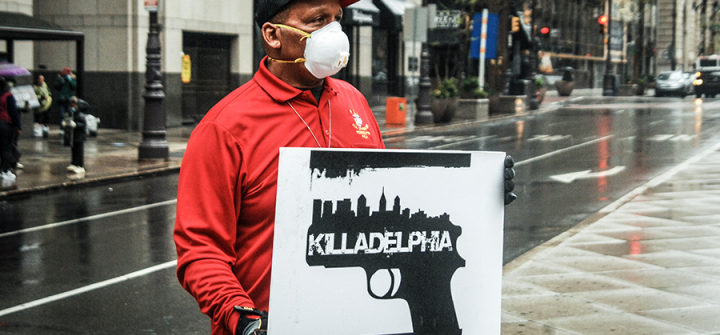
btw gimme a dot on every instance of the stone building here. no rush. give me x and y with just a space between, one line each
216 39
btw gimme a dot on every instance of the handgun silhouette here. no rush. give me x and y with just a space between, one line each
418 252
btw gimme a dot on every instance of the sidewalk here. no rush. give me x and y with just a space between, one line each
647 264
112 155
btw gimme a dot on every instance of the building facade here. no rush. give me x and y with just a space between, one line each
215 41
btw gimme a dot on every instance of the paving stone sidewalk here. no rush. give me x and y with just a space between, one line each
648 266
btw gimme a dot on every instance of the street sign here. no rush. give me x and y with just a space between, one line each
448 18
616 35
491 39
415 24
186 72
152 5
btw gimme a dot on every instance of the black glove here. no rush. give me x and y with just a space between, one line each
251 326
509 183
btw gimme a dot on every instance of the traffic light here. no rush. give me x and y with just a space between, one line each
602 21
515 24
545 32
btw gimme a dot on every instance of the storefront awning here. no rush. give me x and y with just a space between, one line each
392 13
18 26
361 13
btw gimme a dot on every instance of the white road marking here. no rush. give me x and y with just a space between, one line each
88 218
466 141
660 137
537 158
684 138
548 138
87 288
568 178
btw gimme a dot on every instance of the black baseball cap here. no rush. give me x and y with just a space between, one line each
265 9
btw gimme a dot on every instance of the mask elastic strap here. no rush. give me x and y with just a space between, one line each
305 34
299 60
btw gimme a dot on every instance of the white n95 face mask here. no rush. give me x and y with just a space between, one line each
327 50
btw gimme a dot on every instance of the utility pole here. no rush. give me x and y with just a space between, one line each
609 77
153 145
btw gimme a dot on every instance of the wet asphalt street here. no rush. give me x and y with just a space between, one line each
100 259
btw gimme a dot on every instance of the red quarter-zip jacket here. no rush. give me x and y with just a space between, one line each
228 184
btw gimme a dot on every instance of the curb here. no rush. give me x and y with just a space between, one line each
89 181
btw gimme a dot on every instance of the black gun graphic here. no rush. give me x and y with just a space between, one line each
418 252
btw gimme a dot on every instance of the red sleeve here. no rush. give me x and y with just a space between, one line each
206 224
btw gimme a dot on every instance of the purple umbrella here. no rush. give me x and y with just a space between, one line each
12 70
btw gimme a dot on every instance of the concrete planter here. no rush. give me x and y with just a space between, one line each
627 90
508 104
640 89
443 109
473 109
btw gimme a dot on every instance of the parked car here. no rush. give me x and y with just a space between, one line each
673 83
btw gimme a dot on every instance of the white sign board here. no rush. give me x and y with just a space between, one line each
387 242
23 94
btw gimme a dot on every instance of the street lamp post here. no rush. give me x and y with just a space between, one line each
673 46
424 115
534 104
153 145
609 77
703 27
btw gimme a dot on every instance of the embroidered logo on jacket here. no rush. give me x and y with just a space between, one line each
360 127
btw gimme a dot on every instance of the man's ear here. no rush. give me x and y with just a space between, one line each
271 35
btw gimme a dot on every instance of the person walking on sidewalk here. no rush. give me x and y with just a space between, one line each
40 114
66 84
77 123
228 179
10 126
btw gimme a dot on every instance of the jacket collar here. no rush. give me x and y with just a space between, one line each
279 90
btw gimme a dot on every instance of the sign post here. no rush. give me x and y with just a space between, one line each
483 43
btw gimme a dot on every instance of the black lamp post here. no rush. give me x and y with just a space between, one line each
532 59
703 27
153 145
424 115
609 77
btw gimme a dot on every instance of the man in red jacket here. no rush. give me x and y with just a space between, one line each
228 180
